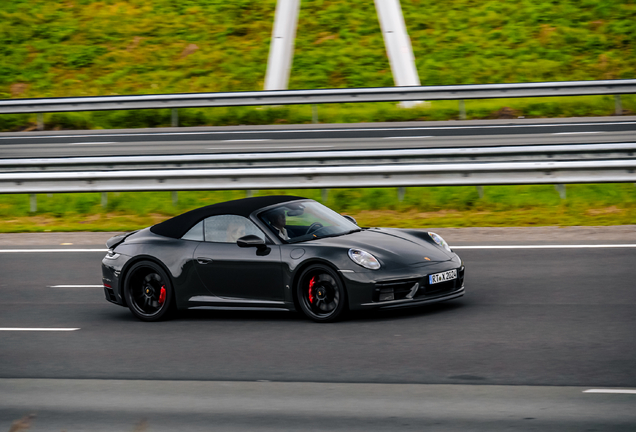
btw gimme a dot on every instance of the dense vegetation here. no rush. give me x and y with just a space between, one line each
87 47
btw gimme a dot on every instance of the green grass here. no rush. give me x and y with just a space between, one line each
87 47
600 204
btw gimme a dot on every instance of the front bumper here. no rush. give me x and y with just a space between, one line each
111 278
407 287
413 302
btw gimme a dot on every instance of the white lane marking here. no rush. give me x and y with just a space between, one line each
408 137
572 246
321 130
615 391
76 286
36 329
573 133
246 140
93 143
273 147
50 250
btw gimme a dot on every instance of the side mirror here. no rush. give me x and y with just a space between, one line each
350 219
251 241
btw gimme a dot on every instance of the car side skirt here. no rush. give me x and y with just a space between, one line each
222 303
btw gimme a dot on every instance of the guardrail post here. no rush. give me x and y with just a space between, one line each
33 203
314 114
175 197
104 199
561 190
462 109
480 192
325 194
175 117
40 121
250 193
401 191
618 105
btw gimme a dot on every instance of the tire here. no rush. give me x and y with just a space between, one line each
321 294
143 288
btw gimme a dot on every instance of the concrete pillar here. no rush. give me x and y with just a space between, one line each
398 45
281 48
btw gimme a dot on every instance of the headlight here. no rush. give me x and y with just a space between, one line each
111 254
440 241
364 258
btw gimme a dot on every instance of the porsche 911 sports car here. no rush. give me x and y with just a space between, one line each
276 252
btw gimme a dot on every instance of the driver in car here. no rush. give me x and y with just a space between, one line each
279 220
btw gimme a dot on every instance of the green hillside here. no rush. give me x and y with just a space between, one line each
86 47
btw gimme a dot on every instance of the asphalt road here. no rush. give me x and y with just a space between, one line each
558 320
317 137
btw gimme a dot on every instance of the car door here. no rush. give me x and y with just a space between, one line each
233 272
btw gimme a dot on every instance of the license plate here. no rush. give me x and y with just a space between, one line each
442 277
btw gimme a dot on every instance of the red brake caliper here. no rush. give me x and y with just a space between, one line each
311 289
162 295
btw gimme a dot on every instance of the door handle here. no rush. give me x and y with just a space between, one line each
204 260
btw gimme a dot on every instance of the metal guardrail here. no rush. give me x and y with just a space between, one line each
517 153
614 171
292 97
585 163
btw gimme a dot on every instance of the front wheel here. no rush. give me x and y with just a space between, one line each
148 292
321 295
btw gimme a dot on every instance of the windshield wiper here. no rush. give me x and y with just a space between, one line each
327 236
339 234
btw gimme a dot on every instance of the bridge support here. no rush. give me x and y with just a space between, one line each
396 39
281 49
398 45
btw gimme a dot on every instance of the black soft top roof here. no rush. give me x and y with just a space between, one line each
177 226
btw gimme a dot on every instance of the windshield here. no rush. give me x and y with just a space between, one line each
306 220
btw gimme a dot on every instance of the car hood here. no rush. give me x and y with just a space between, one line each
390 246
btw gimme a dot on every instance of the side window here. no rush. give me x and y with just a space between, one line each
229 228
195 233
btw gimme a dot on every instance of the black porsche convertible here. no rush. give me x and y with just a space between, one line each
276 252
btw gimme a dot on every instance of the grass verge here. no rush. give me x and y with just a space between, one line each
540 205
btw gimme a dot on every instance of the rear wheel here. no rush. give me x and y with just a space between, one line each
321 294
148 292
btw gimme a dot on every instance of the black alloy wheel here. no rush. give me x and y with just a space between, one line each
148 292
321 294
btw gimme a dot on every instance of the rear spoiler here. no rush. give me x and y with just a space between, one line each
118 239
